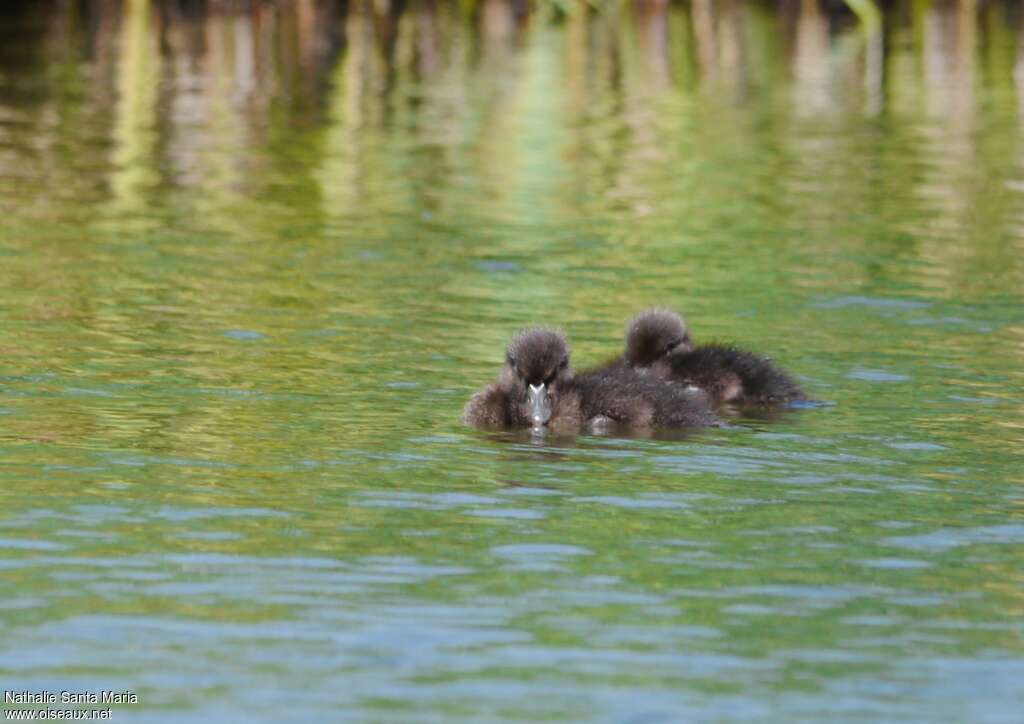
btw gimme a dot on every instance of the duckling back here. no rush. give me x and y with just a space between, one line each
637 400
729 374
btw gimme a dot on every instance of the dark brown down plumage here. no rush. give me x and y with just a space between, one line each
658 343
536 388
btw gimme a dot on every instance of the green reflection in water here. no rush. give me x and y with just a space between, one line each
254 262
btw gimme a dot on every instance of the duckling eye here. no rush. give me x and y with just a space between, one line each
564 363
550 378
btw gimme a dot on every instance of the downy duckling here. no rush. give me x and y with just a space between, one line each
536 388
659 343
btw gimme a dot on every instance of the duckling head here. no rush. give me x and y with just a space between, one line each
537 367
654 335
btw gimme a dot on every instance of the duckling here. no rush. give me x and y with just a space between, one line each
658 342
536 388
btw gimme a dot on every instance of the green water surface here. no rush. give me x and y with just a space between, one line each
253 263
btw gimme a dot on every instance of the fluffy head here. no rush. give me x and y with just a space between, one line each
538 356
653 335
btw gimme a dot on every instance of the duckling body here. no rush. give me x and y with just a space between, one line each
728 374
658 343
536 388
629 398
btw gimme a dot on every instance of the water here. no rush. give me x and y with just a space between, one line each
254 262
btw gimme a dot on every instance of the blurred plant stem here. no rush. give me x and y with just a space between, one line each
867 13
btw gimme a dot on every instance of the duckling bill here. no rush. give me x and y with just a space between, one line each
537 388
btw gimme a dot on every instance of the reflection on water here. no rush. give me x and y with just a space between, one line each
256 255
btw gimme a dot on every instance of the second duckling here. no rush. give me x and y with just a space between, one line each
658 342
